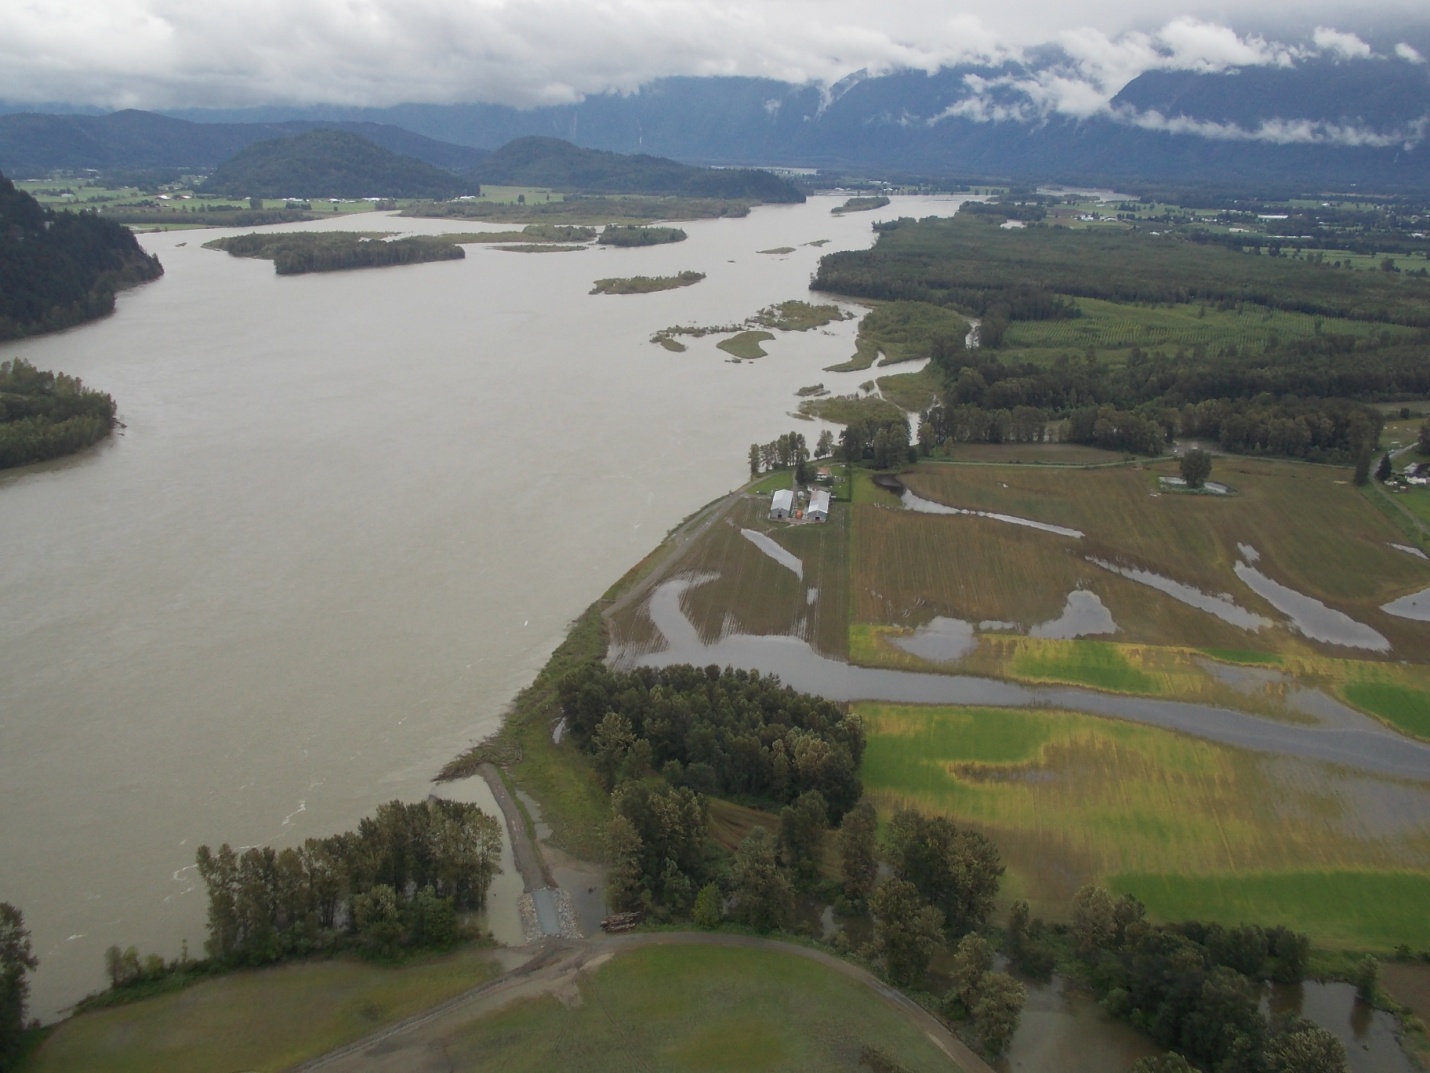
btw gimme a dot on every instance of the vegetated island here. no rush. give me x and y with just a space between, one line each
329 163
47 415
646 284
59 269
532 233
791 316
860 204
631 235
293 254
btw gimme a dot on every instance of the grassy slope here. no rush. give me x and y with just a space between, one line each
697 1008
263 1020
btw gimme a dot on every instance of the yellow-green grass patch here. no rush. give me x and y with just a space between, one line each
1404 707
705 1008
263 1020
1072 799
1355 909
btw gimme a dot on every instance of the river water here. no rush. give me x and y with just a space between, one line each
350 516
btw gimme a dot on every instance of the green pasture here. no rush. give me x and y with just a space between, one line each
911 391
1355 909
1403 706
263 1020
1091 663
1118 326
681 1008
1072 798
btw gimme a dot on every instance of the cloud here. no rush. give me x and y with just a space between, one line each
1409 53
1282 131
1348 45
177 53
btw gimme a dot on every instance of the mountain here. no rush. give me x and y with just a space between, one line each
1315 121
329 163
37 144
560 165
58 269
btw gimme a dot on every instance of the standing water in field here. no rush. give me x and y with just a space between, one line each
1084 615
1415 606
1307 614
1358 742
943 640
770 547
1223 607
918 503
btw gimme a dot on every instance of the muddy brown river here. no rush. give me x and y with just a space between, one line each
349 517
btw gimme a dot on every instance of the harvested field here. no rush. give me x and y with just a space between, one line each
696 1008
1344 559
1057 454
751 592
1072 799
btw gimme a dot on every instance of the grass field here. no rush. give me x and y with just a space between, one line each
266 1020
682 1008
1072 798
1118 326
1378 910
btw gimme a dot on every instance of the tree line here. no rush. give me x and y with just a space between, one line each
58 269
970 263
46 415
639 235
397 882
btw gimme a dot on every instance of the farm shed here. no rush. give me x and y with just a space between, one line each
782 503
818 505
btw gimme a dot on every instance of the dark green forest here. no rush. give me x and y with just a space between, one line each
46 415
330 163
1301 397
397 881
559 165
635 235
59 269
293 254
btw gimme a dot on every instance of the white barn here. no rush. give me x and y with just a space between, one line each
818 505
782 504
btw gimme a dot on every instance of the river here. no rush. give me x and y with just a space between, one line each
349 517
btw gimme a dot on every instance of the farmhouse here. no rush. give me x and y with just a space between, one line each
782 504
818 505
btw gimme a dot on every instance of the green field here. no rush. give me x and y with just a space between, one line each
1073 798
264 1020
681 1008
1379 910
1119 326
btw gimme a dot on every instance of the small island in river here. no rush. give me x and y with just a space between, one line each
646 284
293 254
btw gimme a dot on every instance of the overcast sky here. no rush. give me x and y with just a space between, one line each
196 53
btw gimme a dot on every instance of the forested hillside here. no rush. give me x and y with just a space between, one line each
329 163
58 269
560 165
